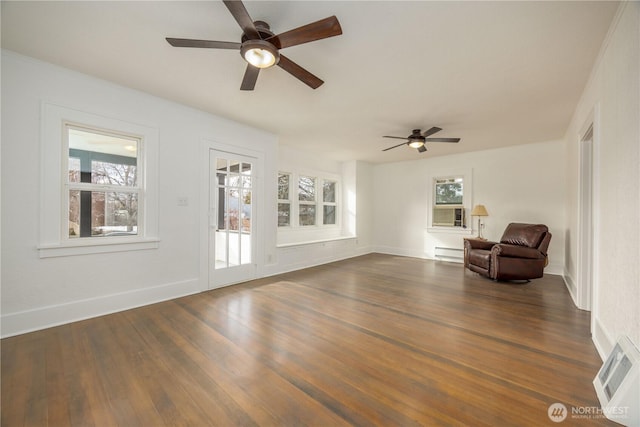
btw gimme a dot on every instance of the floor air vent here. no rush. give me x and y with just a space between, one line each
618 384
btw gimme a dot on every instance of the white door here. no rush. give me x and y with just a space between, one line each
232 247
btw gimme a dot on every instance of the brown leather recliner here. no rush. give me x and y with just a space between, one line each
520 255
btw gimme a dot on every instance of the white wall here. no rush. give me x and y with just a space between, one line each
308 246
42 292
516 184
612 100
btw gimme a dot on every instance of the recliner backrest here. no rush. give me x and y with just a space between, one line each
529 235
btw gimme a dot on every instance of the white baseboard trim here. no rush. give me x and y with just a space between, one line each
601 339
571 287
388 250
273 270
55 315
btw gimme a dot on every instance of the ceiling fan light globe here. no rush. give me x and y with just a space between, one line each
415 144
259 53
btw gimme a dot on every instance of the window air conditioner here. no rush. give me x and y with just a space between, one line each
618 384
448 216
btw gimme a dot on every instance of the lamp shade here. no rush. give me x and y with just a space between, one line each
479 210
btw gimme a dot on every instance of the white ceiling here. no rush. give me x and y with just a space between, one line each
492 73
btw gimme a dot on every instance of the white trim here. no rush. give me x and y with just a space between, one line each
206 146
586 238
570 284
92 247
467 199
601 339
53 185
311 242
59 314
451 230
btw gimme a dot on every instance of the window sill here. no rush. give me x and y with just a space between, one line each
450 230
93 247
312 242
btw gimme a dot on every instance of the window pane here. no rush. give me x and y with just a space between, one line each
221 164
114 214
329 191
234 166
74 169
449 193
232 209
74 213
102 158
307 215
246 211
283 186
113 174
233 180
284 214
306 189
329 215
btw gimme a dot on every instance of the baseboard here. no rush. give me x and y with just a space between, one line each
601 339
570 284
275 269
55 315
389 250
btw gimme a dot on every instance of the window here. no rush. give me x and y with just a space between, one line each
284 200
449 191
99 186
328 202
448 206
306 200
314 201
103 187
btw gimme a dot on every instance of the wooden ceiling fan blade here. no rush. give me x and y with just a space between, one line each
322 29
396 137
432 131
208 44
422 149
299 73
250 77
242 17
443 139
395 146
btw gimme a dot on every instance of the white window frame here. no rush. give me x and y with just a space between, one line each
81 186
319 203
314 202
323 203
54 239
467 192
285 201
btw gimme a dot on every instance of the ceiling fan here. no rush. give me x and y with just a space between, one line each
260 47
417 139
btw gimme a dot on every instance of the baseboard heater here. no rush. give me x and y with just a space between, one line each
618 384
449 254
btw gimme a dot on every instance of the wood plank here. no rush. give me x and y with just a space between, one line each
374 340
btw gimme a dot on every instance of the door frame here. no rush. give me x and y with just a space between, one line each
587 241
258 222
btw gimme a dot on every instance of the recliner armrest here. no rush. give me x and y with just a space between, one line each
479 244
514 251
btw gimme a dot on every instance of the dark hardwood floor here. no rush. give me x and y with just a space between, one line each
374 340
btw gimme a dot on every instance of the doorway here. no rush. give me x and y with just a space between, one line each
232 218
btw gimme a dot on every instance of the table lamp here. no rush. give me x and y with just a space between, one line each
479 211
